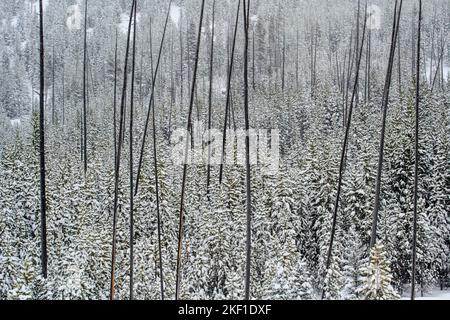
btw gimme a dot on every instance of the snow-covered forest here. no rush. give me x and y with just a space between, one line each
358 208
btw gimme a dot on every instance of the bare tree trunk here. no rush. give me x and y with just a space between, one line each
247 156
228 100
211 79
42 146
152 97
115 102
416 171
53 85
85 91
119 151
344 149
133 74
385 102
183 186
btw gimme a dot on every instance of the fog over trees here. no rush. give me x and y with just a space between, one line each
100 197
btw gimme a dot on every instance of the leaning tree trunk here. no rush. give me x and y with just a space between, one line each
344 149
42 146
152 97
85 90
247 155
119 151
183 186
211 76
133 73
228 99
385 102
115 102
416 172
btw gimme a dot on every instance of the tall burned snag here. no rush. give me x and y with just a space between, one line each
119 151
183 185
344 150
247 155
385 102
42 145
416 169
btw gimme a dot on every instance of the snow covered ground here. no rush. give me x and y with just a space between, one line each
437 294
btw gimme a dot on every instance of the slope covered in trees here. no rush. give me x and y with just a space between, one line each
292 66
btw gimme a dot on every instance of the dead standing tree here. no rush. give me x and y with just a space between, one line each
133 74
416 171
385 102
211 75
247 154
119 151
42 145
344 149
228 99
186 158
85 93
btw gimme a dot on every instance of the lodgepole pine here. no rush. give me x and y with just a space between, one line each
42 146
183 186
119 151
344 149
228 100
152 96
115 102
247 155
385 102
133 74
155 159
416 169
85 63
211 79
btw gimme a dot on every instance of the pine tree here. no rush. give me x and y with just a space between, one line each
378 277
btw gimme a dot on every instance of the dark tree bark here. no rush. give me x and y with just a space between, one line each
85 63
228 99
385 102
152 97
119 151
211 80
53 84
416 169
156 174
344 149
133 74
247 156
115 102
42 146
183 186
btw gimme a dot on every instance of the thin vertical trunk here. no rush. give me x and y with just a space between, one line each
42 146
385 102
63 93
156 174
344 150
152 96
53 85
85 91
228 99
284 60
119 151
247 156
399 66
181 62
183 186
416 171
297 60
211 79
115 102
133 74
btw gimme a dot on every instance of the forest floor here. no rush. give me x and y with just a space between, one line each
437 294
